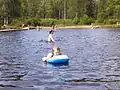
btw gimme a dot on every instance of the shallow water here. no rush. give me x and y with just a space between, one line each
94 60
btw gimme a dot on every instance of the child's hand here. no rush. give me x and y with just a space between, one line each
44 59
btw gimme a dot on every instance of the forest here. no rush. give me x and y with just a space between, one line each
61 12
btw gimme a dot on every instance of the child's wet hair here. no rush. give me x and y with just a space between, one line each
58 49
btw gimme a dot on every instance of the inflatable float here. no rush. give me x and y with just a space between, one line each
58 59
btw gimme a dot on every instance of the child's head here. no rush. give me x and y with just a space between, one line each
53 26
56 51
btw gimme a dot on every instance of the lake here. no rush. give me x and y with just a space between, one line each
94 60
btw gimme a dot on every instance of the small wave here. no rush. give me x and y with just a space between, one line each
56 65
42 40
91 80
3 85
112 58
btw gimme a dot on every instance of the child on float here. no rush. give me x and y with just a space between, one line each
55 52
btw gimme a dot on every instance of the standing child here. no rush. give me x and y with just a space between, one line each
50 37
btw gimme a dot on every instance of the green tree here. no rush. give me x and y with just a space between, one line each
24 8
9 9
76 8
101 10
55 9
113 9
91 8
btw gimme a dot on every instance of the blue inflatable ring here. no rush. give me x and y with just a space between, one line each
58 59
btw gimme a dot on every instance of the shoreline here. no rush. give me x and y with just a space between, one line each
63 27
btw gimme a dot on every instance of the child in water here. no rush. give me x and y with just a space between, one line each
55 52
50 37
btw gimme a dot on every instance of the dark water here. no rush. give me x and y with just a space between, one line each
94 60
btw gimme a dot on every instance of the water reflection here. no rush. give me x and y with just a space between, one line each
55 65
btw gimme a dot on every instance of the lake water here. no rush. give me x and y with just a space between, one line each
94 60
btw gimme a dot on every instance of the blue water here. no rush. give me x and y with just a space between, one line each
94 60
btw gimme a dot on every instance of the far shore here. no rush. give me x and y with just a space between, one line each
62 27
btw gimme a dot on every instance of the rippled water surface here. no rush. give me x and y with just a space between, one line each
94 60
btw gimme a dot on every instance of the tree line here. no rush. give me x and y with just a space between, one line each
76 11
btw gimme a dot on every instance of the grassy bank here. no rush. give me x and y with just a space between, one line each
85 22
110 26
12 28
89 26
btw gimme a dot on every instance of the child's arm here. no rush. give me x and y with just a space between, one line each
49 55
